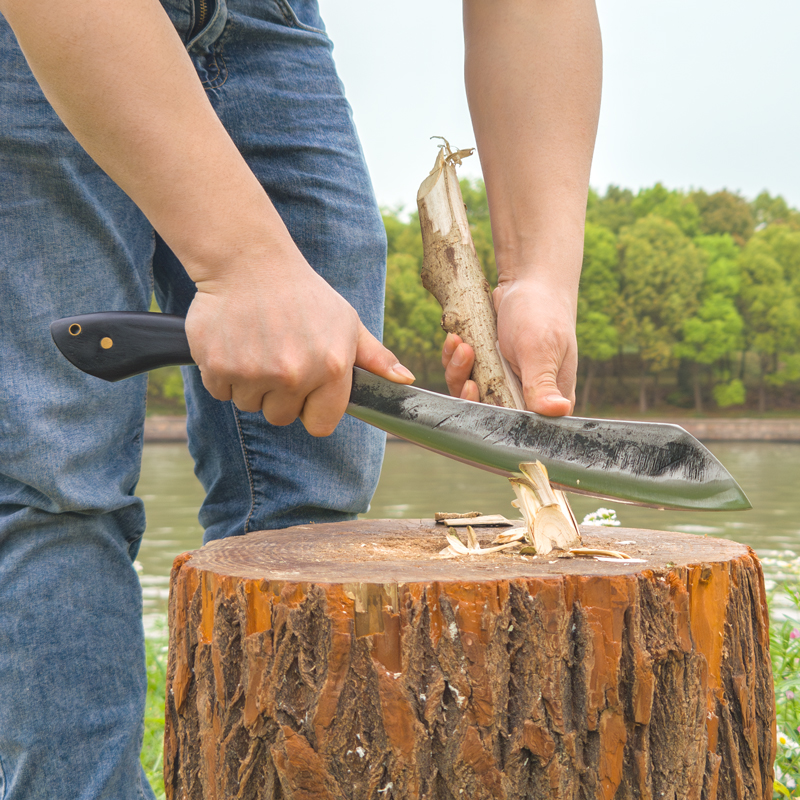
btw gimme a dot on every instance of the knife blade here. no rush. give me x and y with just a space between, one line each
642 463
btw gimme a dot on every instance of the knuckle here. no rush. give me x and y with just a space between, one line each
289 376
336 365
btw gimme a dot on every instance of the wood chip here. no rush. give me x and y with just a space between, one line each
513 535
457 547
456 544
627 560
590 552
441 516
489 519
472 539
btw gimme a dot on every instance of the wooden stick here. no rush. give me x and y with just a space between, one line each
452 273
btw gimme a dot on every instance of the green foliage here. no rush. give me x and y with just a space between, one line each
769 210
152 757
165 390
717 329
701 289
671 205
412 329
768 300
724 212
613 210
784 645
729 394
477 203
661 273
598 299
403 237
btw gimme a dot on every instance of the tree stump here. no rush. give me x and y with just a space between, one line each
346 661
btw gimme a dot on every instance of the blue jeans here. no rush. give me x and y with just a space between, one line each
72 678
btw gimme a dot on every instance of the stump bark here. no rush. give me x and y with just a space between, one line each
346 662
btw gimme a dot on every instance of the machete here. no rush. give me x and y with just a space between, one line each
643 463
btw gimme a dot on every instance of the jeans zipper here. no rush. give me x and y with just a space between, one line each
202 14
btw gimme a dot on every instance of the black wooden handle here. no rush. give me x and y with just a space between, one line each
113 345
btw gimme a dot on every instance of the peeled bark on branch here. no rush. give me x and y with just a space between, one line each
452 273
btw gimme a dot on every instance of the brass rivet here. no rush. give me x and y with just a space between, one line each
106 343
74 329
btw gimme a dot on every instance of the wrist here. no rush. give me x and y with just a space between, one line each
555 282
254 247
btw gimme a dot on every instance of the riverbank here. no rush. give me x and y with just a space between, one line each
173 429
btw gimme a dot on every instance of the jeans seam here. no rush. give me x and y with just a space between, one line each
2 780
292 18
247 467
216 83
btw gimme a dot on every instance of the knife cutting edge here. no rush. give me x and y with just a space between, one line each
643 463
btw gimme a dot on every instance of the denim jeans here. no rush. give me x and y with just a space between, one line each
72 678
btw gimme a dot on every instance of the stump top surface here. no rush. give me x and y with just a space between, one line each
405 551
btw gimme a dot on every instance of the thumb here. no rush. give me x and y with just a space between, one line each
372 356
544 397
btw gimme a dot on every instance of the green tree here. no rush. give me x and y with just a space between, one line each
672 205
165 391
402 237
412 329
598 300
661 275
716 330
724 212
770 275
477 204
768 210
612 210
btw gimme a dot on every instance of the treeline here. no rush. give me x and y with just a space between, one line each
687 300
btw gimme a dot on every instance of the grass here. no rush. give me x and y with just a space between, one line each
784 646
153 745
785 652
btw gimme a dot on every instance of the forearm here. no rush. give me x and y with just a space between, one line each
533 75
120 79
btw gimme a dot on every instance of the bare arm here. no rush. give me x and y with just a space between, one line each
533 75
155 133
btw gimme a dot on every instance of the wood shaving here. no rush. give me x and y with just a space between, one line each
457 548
441 516
590 552
488 520
514 535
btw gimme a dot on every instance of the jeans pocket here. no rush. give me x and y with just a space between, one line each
302 14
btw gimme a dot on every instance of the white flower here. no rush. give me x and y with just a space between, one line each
602 517
787 743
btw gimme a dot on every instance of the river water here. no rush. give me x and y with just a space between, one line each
415 483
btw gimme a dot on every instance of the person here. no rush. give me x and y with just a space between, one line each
204 149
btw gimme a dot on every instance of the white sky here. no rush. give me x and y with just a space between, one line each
696 93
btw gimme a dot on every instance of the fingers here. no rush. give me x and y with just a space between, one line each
546 398
549 384
325 406
458 359
372 356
